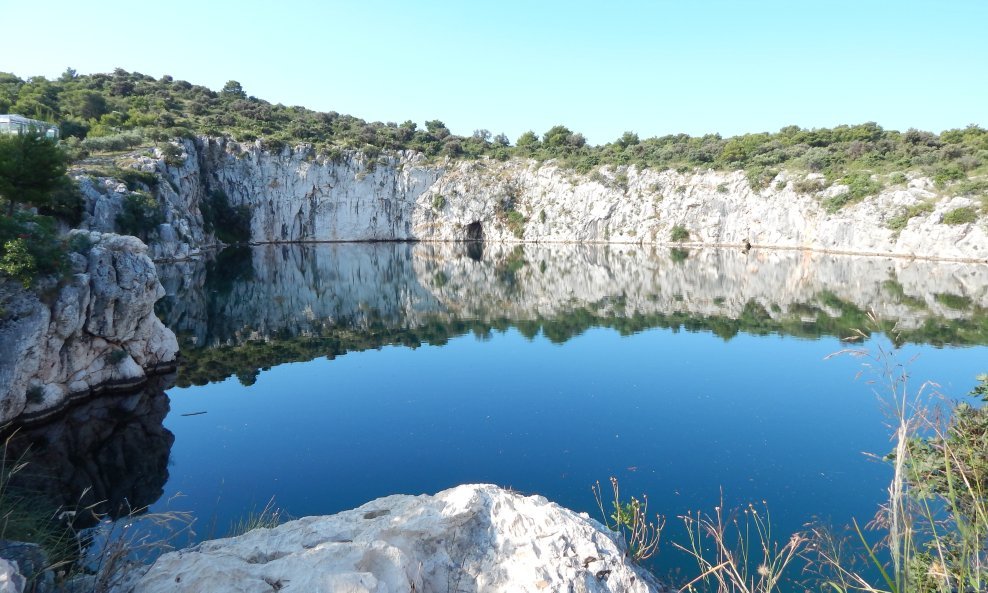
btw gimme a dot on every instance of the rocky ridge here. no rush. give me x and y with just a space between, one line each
296 194
97 332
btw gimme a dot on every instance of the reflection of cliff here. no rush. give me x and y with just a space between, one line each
111 452
284 303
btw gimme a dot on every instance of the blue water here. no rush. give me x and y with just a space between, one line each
678 416
686 417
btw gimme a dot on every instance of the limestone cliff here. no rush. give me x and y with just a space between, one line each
297 195
96 331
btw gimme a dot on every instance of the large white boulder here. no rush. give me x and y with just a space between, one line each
472 538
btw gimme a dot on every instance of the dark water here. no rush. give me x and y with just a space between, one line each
333 374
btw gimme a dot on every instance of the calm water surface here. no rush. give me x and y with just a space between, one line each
333 374
395 368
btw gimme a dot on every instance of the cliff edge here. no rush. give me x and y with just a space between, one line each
93 332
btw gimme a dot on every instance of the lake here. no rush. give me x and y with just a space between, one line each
326 375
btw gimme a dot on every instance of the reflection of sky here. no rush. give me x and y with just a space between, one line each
679 416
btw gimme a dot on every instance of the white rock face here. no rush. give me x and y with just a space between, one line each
178 192
473 538
296 195
11 580
99 332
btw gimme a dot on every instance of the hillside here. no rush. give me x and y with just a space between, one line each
125 109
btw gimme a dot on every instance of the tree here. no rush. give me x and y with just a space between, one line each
32 167
437 128
233 90
528 141
628 139
556 137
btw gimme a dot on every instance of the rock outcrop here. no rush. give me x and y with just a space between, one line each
98 331
468 539
295 194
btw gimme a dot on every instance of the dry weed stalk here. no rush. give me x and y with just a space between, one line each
725 550
631 520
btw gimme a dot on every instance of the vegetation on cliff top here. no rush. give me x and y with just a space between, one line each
32 174
121 109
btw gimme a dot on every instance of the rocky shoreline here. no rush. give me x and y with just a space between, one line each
96 333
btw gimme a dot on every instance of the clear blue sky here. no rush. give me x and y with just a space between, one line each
598 67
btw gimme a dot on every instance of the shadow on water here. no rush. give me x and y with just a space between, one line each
109 454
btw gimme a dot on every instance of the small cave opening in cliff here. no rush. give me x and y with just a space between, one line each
475 240
475 231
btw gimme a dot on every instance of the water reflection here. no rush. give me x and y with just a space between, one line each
109 453
252 309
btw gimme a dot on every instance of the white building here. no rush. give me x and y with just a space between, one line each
18 124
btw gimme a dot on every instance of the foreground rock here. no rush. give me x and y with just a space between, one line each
469 538
97 332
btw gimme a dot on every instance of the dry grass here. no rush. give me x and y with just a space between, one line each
934 525
736 552
630 519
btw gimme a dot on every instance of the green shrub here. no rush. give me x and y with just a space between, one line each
679 234
516 222
899 221
230 224
971 187
65 202
174 156
953 301
898 178
124 109
722 188
621 181
760 177
135 179
861 185
834 203
438 202
945 175
808 186
141 214
112 143
79 243
18 262
30 248
962 215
